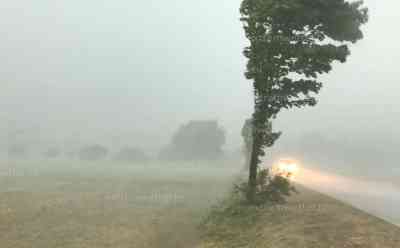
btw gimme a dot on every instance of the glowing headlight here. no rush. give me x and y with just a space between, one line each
286 168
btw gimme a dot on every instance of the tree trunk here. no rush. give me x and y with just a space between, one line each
253 174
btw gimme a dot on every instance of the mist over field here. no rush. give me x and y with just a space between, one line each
100 90
75 74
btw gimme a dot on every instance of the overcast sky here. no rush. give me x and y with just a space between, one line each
130 72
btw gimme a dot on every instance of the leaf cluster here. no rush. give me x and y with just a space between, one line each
292 42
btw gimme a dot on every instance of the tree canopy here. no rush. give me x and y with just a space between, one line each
131 154
93 152
196 140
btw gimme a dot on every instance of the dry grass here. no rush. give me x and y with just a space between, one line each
93 206
86 208
309 220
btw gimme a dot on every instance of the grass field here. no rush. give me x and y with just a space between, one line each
75 204
308 220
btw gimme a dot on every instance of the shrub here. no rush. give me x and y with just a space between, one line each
270 189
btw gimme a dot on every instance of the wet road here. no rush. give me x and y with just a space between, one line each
379 198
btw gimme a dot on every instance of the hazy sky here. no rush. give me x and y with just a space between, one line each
132 71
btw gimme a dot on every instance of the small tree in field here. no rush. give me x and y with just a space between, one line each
292 42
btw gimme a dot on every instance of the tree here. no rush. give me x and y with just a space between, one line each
196 140
129 154
93 152
17 151
52 152
292 42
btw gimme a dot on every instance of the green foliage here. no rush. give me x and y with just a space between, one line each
247 135
270 189
232 216
292 42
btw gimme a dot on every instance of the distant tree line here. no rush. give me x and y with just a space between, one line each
194 140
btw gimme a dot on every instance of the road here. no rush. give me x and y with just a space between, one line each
379 198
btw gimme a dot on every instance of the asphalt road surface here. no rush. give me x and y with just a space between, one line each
379 198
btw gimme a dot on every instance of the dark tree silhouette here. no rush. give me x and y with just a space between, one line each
196 140
292 42
17 151
94 152
129 154
52 152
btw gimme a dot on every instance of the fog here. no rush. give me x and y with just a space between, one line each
377 197
122 119
76 72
